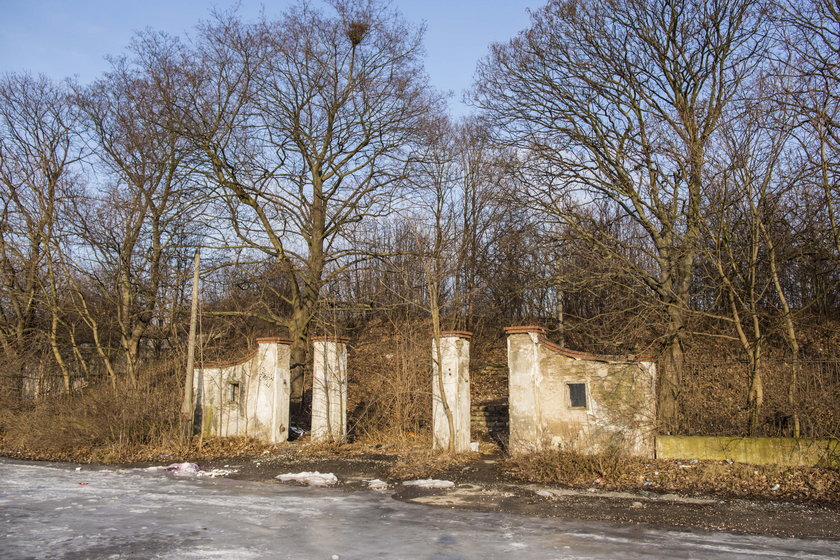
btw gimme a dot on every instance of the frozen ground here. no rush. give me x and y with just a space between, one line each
54 511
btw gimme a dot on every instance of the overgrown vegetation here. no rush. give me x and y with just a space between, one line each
613 471
642 177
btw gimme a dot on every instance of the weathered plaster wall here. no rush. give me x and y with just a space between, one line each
620 394
248 398
451 388
793 452
329 389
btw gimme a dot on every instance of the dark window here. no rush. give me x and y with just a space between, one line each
233 394
577 395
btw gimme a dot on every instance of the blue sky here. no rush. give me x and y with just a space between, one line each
72 37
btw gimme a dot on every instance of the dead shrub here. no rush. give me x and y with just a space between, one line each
568 467
389 367
422 462
98 422
717 478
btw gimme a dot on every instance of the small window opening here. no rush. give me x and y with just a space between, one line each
577 395
233 392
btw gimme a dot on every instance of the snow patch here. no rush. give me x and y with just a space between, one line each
179 469
309 478
429 483
377 484
191 469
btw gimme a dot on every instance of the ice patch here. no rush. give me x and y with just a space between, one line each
377 484
429 483
309 478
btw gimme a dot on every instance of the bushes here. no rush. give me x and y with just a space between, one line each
97 422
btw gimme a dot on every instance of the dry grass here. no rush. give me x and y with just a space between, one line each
425 463
389 396
98 423
731 480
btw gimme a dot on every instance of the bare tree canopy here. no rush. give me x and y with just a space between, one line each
306 125
620 102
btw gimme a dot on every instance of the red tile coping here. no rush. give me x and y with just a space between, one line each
541 337
341 339
460 334
588 356
525 329
273 340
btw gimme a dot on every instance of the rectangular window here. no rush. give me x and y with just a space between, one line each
577 395
233 392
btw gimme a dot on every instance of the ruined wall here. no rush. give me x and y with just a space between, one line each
451 389
563 398
249 397
329 388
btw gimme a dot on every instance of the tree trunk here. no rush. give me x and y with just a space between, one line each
756 395
299 333
670 377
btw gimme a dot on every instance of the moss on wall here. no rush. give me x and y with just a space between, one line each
758 451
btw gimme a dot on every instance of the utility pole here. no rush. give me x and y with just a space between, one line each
187 406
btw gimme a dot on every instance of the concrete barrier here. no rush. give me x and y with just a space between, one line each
758 451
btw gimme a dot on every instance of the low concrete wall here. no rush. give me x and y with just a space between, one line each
757 451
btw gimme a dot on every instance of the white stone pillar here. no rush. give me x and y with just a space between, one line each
329 388
524 380
271 402
451 390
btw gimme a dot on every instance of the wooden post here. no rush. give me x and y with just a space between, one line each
187 406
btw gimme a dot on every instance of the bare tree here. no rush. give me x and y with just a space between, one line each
481 170
619 102
134 224
810 70
36 155
304 125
